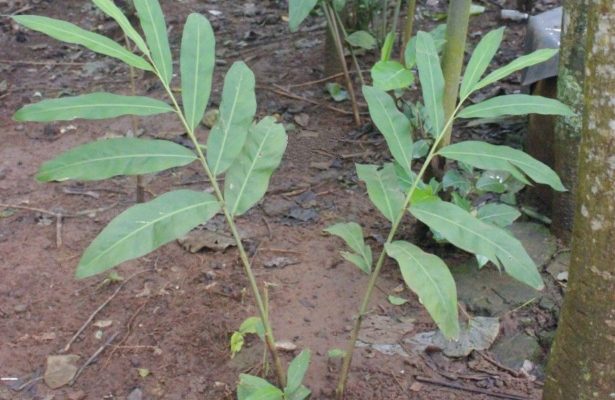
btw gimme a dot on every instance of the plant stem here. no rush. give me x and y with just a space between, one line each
352 54
328 9
341 386
385 22
395 17
140 191
452 60
408 26
262 309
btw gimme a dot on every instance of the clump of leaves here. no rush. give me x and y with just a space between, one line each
396 189
245 153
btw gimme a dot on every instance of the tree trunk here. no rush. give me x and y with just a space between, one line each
568 129
582 361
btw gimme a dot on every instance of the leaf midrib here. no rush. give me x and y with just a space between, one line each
144 226
429 60
85 106
94 38
158 42
424 269
96 160
408 163
251 169
486 155
463 227
227 126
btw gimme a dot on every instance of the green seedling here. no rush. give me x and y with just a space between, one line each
243 152
252 387
396 189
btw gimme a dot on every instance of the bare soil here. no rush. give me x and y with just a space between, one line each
176 311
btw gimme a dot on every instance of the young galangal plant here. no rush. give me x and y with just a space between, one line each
246 154
396 189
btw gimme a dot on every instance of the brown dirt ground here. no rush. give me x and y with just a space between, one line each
175 316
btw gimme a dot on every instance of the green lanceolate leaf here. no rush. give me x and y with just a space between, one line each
503 158
237 110
498 214
391 75
480 60
393 124
515 104
91 106
109 8
253 325
197 60
432 80
432 281
439 37
298 11
362 39
155 29
387 47
145 227
453 179
470 234
352 234
252 388
69 33
296 371
382 189
111 157
522 62
248 177
301 393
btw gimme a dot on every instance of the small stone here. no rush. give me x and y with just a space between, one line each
277 206
136 394
249 9
285 346
60 370
513 351
20 308
302 120
77 395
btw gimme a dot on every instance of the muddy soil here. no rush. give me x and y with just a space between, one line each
166 329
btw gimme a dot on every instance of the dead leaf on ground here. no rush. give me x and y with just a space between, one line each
302 120
60 370
200 239
479 334
280 262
